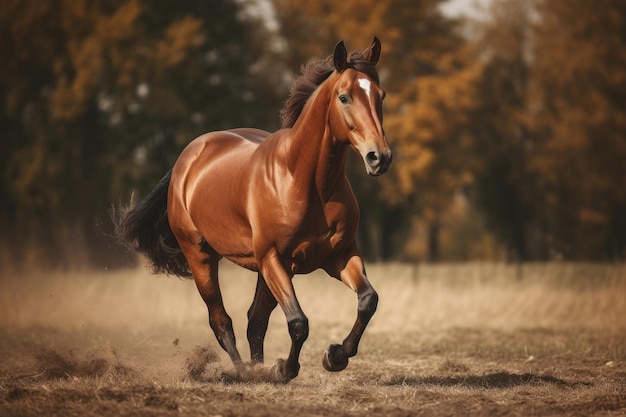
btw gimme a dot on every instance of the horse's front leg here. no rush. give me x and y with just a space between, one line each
279 283
351 271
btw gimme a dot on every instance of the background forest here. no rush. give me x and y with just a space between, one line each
508 129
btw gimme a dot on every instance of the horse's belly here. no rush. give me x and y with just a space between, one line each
246 261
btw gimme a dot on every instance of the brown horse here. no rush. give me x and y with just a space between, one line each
279 204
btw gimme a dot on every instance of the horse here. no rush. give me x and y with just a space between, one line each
278 204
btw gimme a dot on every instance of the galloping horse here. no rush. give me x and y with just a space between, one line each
279 204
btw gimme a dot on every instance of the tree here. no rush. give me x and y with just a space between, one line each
579 116
433 128
505 186
552 122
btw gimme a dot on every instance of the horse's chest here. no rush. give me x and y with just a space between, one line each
313 233
311 250
309 253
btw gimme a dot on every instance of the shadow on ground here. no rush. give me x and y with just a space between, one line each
488 381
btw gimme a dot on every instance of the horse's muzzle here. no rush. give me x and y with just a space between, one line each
377 162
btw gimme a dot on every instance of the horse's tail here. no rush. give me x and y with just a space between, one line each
144 227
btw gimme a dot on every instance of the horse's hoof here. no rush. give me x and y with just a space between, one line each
278 372
334 360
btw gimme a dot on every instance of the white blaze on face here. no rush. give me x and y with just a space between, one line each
365 85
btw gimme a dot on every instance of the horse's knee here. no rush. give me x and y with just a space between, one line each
368 302
299 329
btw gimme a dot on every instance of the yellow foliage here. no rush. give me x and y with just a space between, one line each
102 44
94 45
180 37
425 127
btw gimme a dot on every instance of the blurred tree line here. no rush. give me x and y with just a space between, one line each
508 131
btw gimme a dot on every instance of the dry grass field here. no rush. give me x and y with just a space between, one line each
447 340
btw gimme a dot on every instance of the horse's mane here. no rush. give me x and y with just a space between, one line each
312 75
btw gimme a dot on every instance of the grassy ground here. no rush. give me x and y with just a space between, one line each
447 340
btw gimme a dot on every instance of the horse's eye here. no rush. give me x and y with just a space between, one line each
344 99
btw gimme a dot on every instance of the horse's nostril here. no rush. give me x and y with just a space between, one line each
372 157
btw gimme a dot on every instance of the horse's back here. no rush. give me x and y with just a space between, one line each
208 149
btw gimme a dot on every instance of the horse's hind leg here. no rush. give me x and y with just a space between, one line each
352 273
203 262
258 318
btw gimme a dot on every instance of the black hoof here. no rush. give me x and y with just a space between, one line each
334 359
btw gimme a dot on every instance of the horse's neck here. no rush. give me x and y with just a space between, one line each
317 157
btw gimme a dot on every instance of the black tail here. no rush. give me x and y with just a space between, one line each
145 228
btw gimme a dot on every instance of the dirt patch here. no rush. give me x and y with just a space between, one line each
197 362
499 380
381 382
436 347
52 365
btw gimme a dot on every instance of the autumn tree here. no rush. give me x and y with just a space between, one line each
504 186
578 112
552 120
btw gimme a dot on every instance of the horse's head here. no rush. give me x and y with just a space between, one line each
356 110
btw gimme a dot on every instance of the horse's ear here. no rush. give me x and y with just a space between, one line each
340 57
374 52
